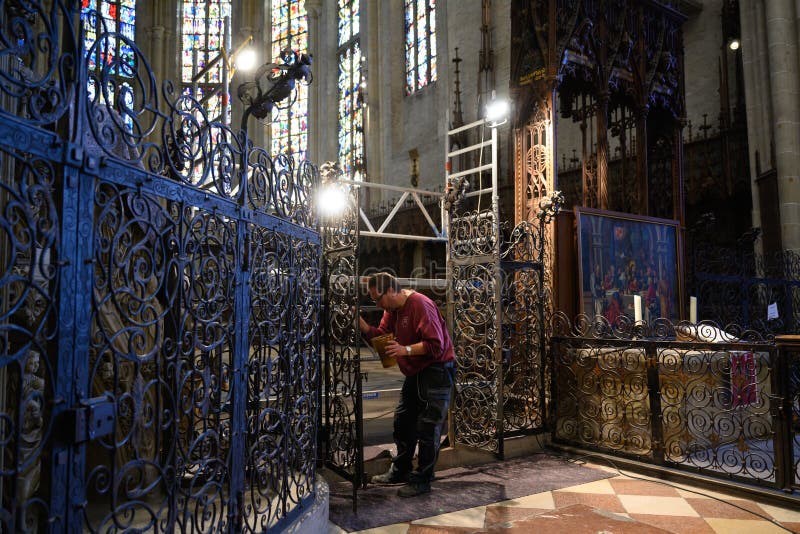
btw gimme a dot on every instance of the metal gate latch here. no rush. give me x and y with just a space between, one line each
93 419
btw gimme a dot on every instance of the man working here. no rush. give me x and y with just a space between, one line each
425 356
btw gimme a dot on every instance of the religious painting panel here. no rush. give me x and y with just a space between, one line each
626 259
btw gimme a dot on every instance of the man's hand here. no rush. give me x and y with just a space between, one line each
363 325
395 349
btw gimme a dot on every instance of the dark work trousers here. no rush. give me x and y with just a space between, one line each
418 418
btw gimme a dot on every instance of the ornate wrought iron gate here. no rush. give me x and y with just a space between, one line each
475 293
343 432
500 306
501 309
159 355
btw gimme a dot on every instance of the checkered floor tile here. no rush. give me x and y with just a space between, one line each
620 505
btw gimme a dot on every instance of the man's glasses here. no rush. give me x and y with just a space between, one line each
377 301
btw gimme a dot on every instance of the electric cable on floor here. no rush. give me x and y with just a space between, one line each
574 459
384 414
582 457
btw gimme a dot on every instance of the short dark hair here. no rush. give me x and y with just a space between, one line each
382 282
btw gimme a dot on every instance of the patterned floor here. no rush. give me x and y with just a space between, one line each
618 505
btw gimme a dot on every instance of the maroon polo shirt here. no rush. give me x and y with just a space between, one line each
417 320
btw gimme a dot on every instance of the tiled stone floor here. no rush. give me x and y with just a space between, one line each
618 505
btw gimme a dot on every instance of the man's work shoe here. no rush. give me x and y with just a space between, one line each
413 489
392 476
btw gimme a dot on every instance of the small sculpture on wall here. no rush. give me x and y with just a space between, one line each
30 436
414 155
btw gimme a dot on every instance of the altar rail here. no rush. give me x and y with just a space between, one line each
718 401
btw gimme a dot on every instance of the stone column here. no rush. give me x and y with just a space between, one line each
153 49
371 52
770 60
758 109
155 36
785 94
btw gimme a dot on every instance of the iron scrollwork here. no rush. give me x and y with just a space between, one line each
475 296
151 269
526 315
38 61
698 397
715 409
501 309
281 369
343 409
161 349
601 398
29 315
523 393
737 284
793 379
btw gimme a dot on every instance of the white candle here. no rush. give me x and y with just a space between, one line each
693 310
637 308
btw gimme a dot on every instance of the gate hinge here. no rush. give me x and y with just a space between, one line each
92 419
73 155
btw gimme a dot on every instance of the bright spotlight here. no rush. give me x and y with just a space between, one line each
734 44
497 111
246 59
331 200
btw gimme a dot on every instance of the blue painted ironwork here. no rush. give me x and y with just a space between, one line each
696 397
736 283
159 301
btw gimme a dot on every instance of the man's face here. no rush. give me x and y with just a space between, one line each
382 300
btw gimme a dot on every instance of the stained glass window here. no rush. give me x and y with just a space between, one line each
290 30
202 29
420 44
351 109
116 16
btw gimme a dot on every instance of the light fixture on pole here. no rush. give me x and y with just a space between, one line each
245 59
497 111
331 197
273 83
734 43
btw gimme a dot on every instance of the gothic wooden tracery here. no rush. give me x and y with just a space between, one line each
615 67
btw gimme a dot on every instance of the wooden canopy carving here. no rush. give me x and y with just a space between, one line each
615 67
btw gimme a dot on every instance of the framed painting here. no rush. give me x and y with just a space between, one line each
622 256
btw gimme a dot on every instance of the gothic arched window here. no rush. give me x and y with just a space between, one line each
289 129
351 109
115 17
202 31
420 34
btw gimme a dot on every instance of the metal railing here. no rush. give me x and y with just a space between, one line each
697 398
